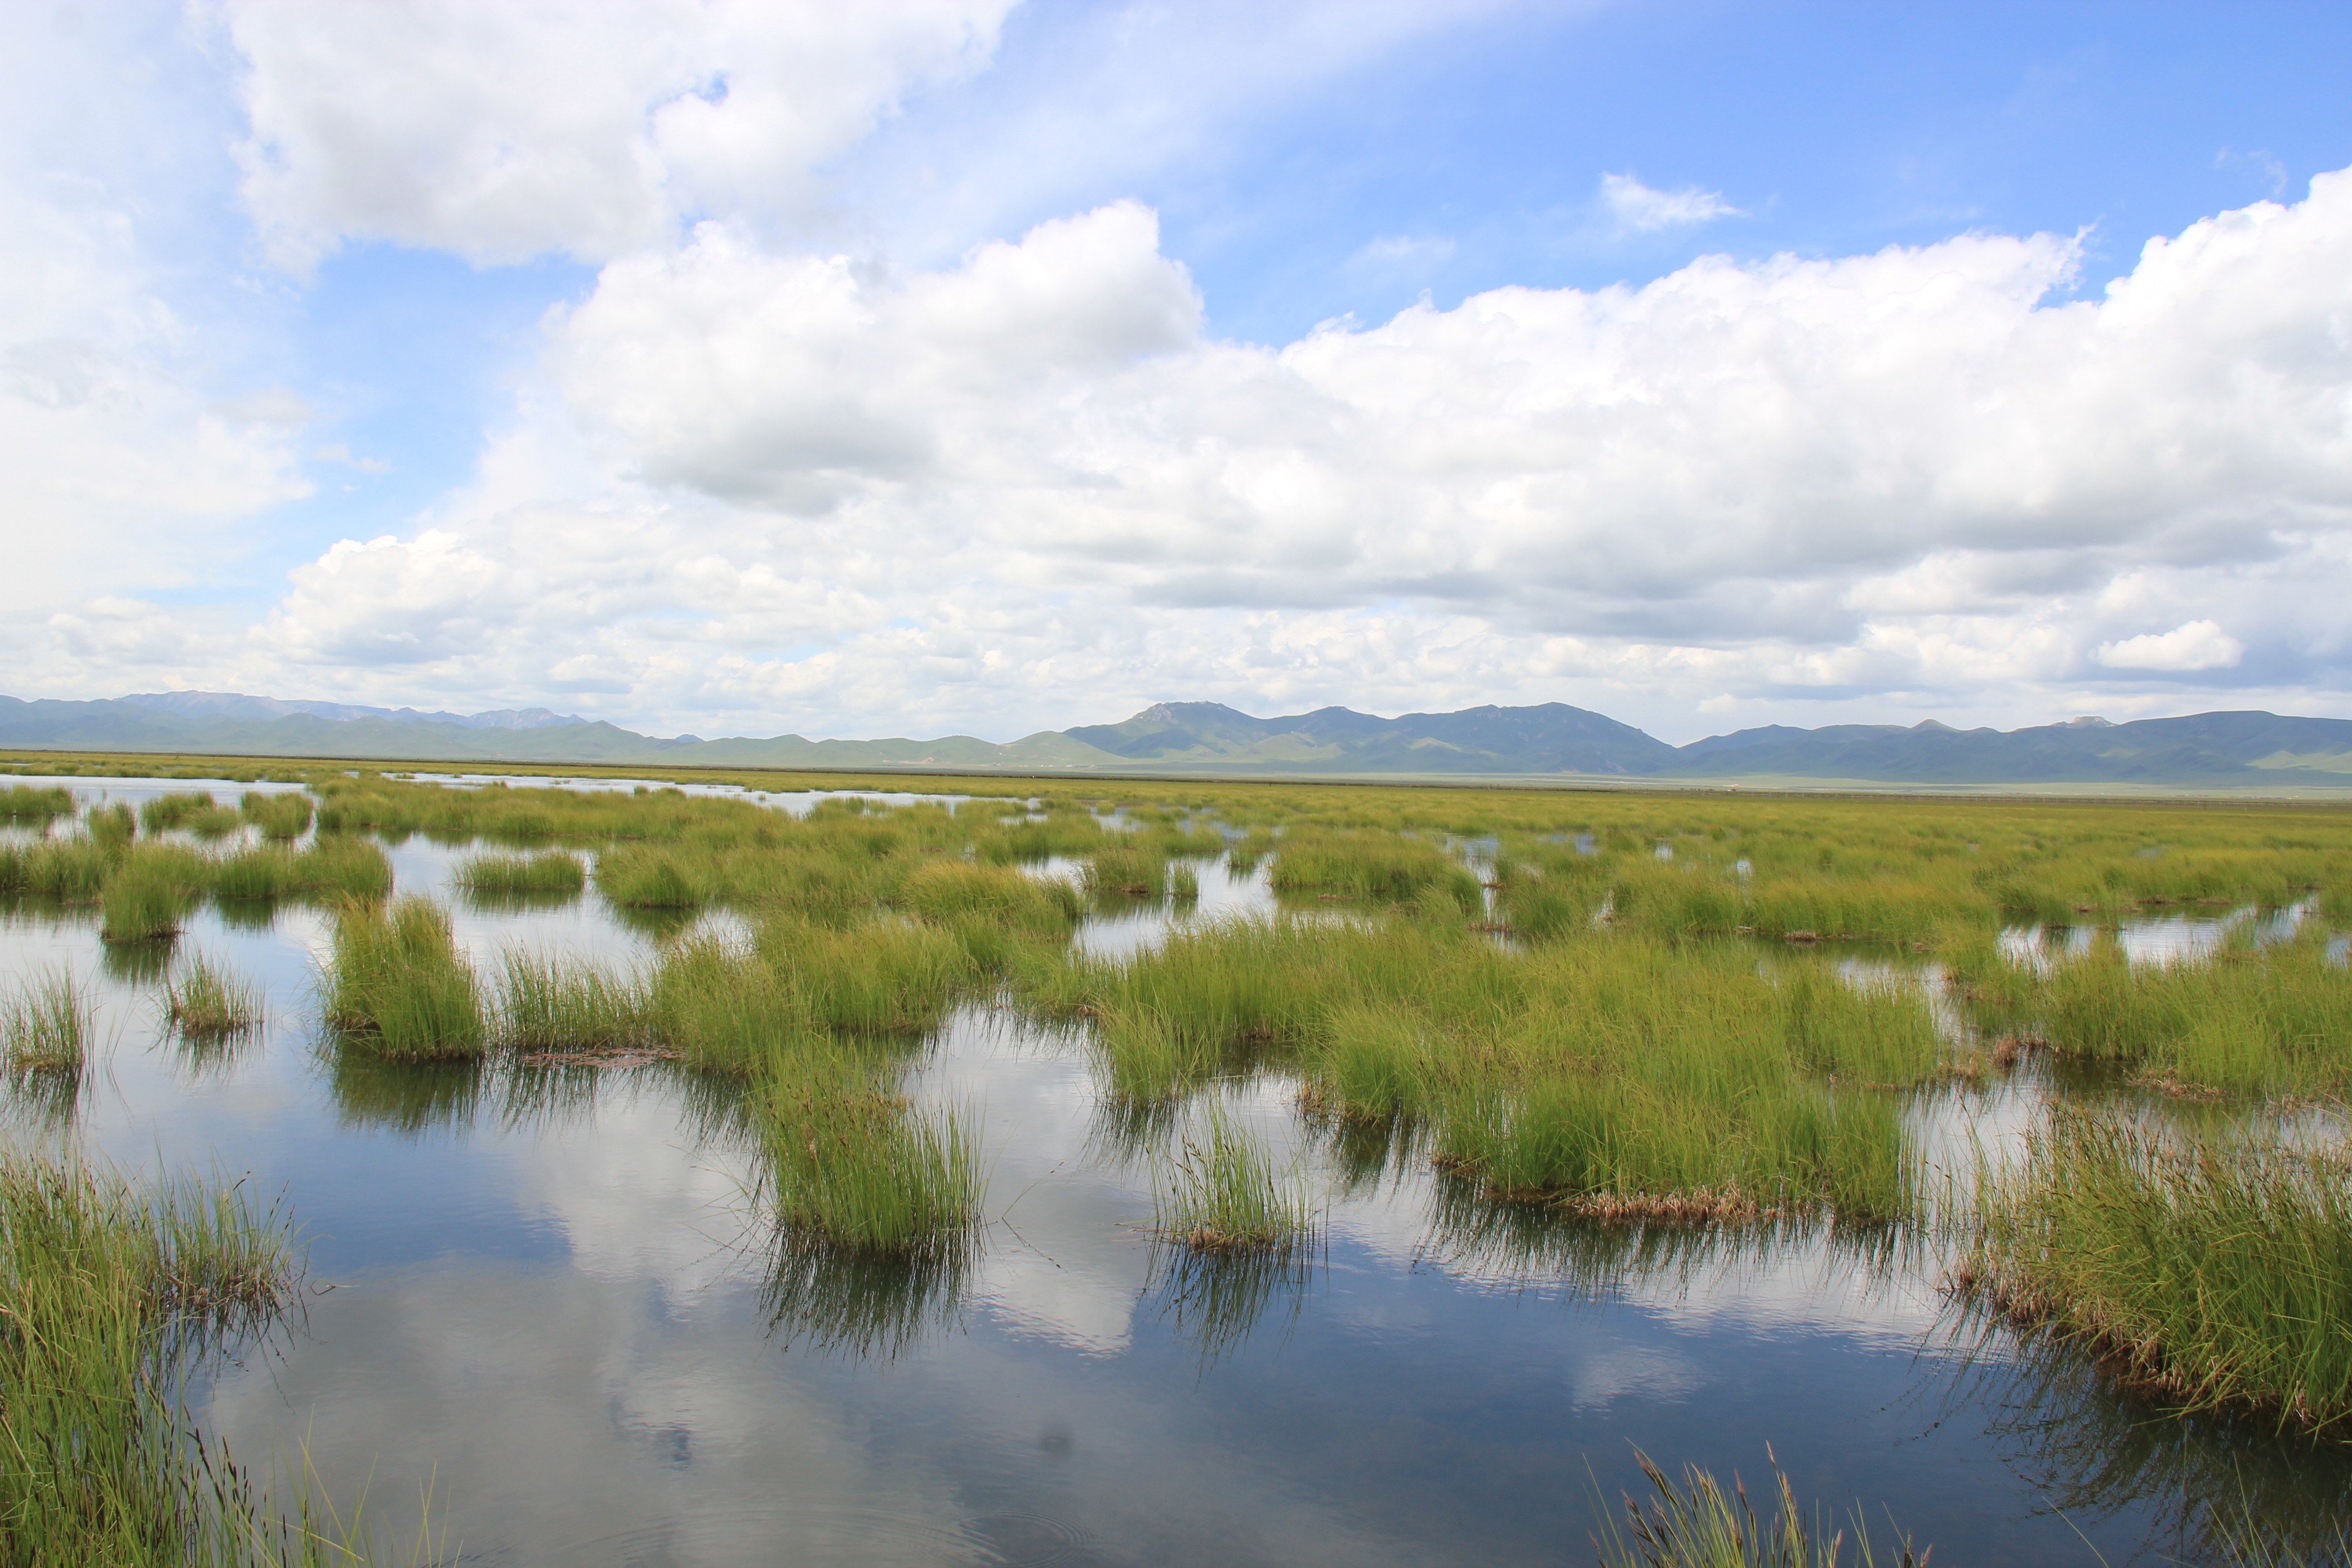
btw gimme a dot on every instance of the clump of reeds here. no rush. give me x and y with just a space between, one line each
1695 1523
947 891
547 1005
1219 1194
645 878
397 985
173 810
553 871
112 826
851 1167
30 803
1183 883
332 868
278 816
206 1002
44 1027
888 976
101 1282
1126 870
147 895
724 1011
2207 1271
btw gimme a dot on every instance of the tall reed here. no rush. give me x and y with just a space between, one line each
397 987
2209 1272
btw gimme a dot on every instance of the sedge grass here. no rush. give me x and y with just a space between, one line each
887 976
1218 1193
150 893
396 987
110 1293
547 1005
2208 1272
277 816
553 871
205 1001
33 802
850 1167
1695 1522
44 1027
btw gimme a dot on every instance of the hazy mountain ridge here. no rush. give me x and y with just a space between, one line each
2205 750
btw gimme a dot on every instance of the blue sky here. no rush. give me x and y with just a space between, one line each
985 367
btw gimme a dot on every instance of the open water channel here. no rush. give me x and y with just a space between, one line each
543 1298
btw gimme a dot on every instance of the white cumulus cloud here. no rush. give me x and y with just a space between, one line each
590 127
2198 644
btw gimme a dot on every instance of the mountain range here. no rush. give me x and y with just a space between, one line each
2243 750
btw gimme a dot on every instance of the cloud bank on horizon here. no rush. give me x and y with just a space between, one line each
746 367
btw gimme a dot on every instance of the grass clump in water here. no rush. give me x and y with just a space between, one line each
30 803
850 1167
2210 1272
176 809
397 987
1220 1194
555 872
646 878
108 1293
1126 870
44 1028
206 1002
149 895
280 815
1695 1523
546 1005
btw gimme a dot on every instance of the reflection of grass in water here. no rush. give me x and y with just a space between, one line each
857 1302
1216 1300
408 1098
2218 1486
1696 1521
2207 1271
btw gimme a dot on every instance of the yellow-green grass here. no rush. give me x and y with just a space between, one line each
2207 1272
847 1165
279 814
112 826
550 1004
1694 1520
1369 866
1218 1193
207 1001
1126 870
331 868
44 1027
150 893
2262 1020
396 987
174 809
887 976
552 871
947 891
111 1294
32 803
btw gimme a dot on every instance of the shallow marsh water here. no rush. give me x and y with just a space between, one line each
541 1295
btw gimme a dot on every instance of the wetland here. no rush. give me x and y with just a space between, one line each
800 1169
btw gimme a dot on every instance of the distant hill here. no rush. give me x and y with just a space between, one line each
2209 750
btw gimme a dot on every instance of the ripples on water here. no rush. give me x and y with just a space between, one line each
541 1295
